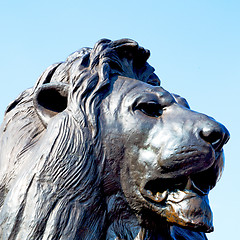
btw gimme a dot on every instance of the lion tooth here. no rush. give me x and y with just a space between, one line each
149 193
202 192
189 184
160 196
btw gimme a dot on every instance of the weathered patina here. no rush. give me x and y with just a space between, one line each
97 149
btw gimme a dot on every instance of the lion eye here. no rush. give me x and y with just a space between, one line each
151 109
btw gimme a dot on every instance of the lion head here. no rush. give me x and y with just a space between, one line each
97 149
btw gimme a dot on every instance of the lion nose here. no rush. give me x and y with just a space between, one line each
215 134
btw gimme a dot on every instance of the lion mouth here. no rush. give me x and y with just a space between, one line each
157 190
182 201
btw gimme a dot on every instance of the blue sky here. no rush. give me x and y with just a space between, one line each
195 49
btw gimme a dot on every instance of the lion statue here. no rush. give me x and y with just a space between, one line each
97 149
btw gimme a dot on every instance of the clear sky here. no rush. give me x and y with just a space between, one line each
195 49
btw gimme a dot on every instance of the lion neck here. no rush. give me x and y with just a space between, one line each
124 224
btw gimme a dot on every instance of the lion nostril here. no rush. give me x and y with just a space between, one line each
214 137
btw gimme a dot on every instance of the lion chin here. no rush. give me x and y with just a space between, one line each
98 149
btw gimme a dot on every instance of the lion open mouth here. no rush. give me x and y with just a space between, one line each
182 201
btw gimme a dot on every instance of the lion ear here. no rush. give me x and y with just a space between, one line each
180 100
49 100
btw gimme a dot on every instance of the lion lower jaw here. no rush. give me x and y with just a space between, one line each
185 208
188 209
